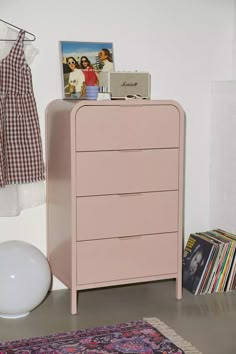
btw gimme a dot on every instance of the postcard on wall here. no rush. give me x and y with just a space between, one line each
85 67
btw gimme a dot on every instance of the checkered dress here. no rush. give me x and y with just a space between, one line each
21 158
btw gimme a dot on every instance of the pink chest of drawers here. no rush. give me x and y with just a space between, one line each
114 192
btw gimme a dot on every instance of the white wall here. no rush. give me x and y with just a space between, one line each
223 156
222 150
184 44
234 44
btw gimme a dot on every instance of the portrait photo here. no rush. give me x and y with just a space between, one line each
84 68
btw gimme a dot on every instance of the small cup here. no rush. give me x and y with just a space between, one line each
91 92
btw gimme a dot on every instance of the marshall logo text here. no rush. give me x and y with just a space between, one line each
125 83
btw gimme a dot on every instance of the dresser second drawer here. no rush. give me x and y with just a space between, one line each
127 214
126 258
129 171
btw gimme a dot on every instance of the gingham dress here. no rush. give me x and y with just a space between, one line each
21 159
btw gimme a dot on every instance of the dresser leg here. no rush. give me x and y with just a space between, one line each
73 301
179 288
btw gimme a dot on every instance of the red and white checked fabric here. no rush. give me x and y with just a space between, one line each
21 158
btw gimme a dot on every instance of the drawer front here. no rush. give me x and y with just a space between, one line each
126 127
126 214
111 172
126 258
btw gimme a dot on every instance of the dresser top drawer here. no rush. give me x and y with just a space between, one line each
112 127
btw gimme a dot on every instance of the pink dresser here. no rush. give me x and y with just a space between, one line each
114 192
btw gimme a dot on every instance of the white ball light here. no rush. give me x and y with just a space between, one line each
25 278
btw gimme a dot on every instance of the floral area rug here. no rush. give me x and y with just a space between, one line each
149 336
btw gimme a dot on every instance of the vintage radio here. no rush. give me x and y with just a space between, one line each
122 84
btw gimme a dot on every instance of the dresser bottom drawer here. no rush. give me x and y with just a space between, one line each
126 258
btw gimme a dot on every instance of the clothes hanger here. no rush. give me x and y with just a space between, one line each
13 40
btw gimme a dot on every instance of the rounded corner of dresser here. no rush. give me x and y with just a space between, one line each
78 106
50 105
178 106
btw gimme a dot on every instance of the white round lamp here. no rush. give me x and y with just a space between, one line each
25 278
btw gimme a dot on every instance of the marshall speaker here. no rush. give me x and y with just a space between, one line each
129 83
121 84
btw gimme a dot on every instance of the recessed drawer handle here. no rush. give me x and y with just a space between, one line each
129 194
130 150
126 238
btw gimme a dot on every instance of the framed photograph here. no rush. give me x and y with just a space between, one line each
85 67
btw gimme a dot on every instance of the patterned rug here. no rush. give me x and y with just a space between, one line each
148 336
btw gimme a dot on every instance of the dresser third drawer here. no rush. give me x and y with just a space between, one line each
128 214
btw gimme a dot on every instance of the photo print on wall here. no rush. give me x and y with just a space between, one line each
85 67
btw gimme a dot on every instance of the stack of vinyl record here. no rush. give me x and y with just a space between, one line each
209 262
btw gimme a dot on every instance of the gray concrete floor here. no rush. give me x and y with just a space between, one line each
208 322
